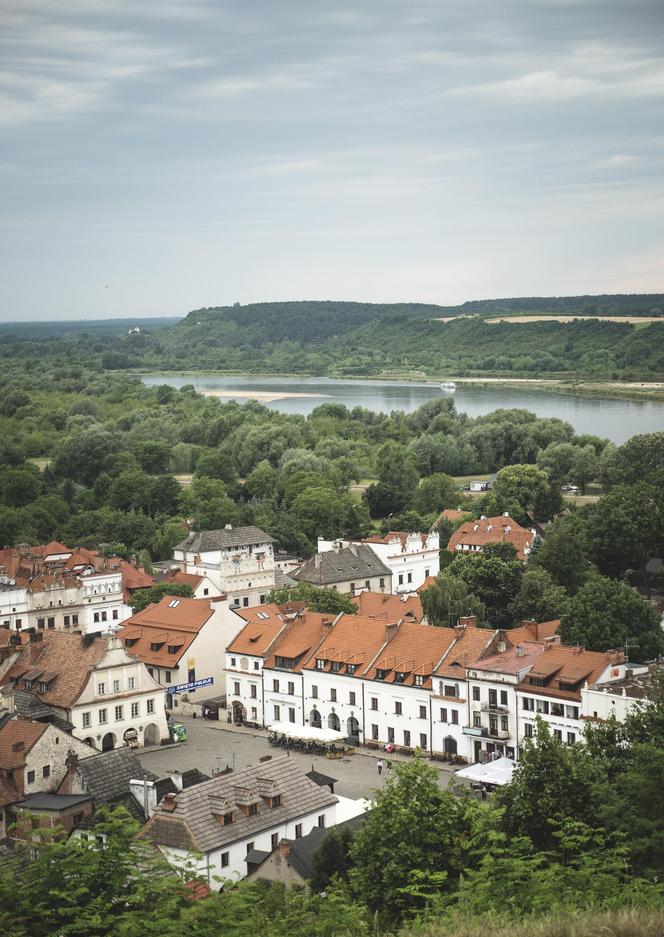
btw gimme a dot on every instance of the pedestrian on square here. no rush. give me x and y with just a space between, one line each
379 765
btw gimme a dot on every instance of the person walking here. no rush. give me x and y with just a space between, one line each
379 765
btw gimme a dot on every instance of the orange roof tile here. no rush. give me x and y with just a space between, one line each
264 622
185 579
512 659
70 657
388 606
354 640
561 665
415 650
472 644
16 739
174 622
492 530
534 631
428 582
299 639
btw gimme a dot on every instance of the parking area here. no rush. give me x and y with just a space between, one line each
213 746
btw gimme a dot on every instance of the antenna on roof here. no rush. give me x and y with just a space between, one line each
627 646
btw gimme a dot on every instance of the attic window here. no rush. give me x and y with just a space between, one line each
156 645
262 615
43 686
172 649
28 684
400 677
320 663
352 668
174 603
381 674
569 686
227 818
336 666
419 679
276 800
130 642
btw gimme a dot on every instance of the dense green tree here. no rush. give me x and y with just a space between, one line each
562 553
538 598
435 493
213 463
322 512
20 486
316 598
585 467
530 488
332 858
153 456
493 579
448 599
605 614
557 461
638 458
84 452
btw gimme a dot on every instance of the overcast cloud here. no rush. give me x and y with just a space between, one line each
160 156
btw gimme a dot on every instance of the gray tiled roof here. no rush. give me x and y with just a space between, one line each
193 826
204 541
106 776
357 562
27 704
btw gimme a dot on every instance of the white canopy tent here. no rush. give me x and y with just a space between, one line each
493 772
306 733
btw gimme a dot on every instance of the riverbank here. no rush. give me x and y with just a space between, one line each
265 396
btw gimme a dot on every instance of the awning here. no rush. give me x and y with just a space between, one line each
306 733
493 772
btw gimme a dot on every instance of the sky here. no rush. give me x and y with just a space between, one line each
157 157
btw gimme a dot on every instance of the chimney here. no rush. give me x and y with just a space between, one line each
176 778
337 546
35 637
616 657
18 746
468 621
71 760
520 650
284 848
532 626
317 560
168 803
391 630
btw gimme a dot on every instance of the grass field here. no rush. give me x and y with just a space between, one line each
631 320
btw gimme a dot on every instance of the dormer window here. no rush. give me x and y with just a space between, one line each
419 679
336 666
155 645
43 687
320 663
252 810
381 674
130 642
172 649
352 668
276 800
227 818
400 677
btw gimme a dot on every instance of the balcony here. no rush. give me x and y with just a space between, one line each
475 730
501 734
494 708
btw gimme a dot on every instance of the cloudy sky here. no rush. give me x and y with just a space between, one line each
160 156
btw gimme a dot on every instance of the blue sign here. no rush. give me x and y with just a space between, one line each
195 685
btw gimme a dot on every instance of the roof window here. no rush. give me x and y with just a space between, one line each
174 603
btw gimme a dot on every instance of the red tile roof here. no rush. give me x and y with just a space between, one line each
354 640
471 645
264 622
534 631
492 530
300 637
414 651
512 660
172 622
564 667
428 582
389 606
17 737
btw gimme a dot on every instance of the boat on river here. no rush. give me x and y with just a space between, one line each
448 385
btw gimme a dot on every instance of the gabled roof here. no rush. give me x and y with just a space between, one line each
534 631
17 737
106 776
264 622
388 606
357 562
301 851
192 820
471 645
565 670
302 634
172 622
512 660
206 541
70 657
428 582
414 651
501 529
354 640
185 579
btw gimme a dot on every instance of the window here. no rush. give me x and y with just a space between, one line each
115 615
225 859
277 713
374 703
46 771
410 577
167 676
250 846
101 689
236 687
455 717
150 706
367 584
67 621
528 703
245 602
406 738
298 831
119 713
336 666
423 740
543 707
275 686
314 692
256 665
321 821
503 697
291 688
116 686
400 579
253 693
398 708
477 720
31 777
254 713
352 588
74 619
571 738
95 617
528 730
227 818
374 732
504 723
205 591
390 734
381 583
419 679
493 697
450 690
333 695
102 717
291 714
274 840
557 734
233 662
86 720
476 693
351 698
426 573
253 810
423 712
134 710
572 712
40 622
443 714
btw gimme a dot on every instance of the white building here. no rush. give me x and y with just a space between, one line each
92 683
238 561
614 700
183 642
351 569
246 656
410 557
225 827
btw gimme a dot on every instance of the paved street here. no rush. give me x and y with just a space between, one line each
214 745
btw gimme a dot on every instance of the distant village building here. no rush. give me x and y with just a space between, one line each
227 826
473 536
349 569
239 561
91 684
409 558
624 693
55 587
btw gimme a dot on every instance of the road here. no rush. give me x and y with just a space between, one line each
212 746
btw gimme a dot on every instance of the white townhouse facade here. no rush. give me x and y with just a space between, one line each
410 557
225 827
553 689
246 656
615 700
239 561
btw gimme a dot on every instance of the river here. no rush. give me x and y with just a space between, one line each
613 418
